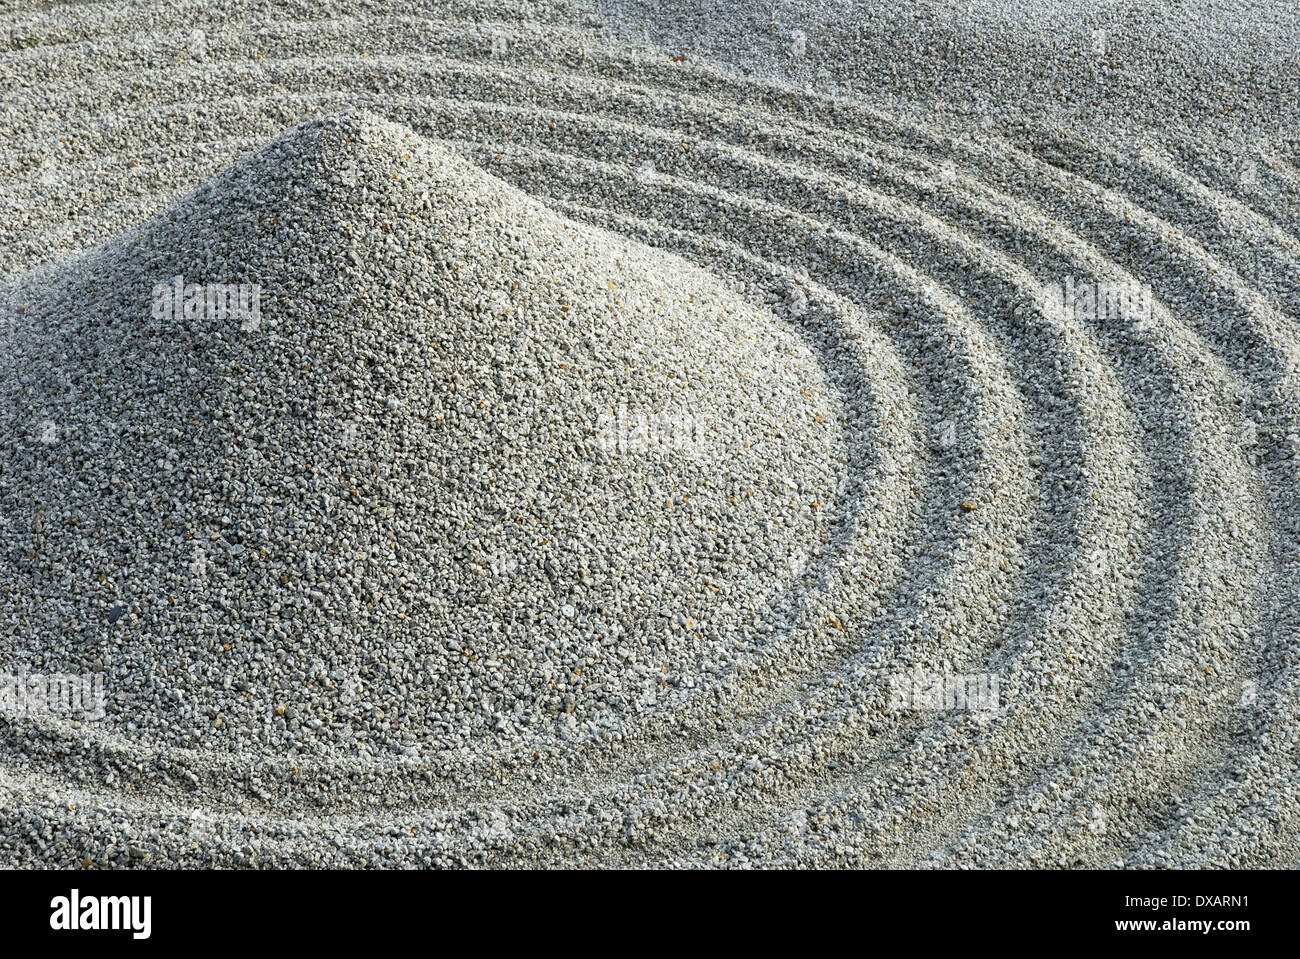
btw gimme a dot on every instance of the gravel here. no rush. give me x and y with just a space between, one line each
592 445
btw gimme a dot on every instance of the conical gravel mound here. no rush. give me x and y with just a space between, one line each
358 450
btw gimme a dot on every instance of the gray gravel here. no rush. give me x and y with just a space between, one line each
635 427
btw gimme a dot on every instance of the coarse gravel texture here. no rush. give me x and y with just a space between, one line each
626 415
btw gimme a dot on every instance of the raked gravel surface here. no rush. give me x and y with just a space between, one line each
635 404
